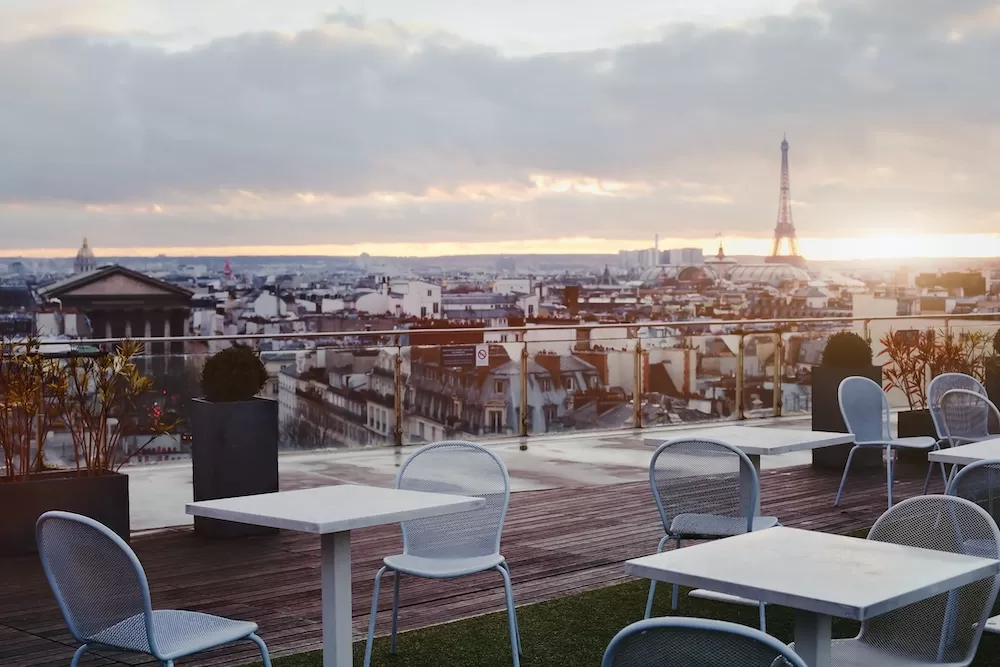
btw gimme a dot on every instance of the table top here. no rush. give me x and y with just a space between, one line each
333 509
835 575
966 454
761 440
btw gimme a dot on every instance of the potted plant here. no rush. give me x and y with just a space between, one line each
992 371
846 355
916 357
96 398
234 447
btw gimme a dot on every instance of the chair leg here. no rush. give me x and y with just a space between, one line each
395 612
371 621
927 480
888 473
265 655
79 654
511 616
652 583
517 625
763 618
675 596
843 479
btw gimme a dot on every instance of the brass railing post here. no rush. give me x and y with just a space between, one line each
524 392
739 375
779 353
638 389
868 331
397 379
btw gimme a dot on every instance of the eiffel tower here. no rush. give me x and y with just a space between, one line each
785 249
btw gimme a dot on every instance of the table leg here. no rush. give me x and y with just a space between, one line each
813 634
745 483
335 571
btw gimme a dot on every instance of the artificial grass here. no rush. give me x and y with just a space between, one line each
572 631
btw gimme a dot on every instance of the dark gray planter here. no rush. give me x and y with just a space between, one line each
993 381
826 416
103 498
234 452
914 424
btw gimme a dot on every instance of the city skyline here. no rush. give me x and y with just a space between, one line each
173 128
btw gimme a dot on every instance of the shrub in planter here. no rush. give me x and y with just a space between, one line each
234 447
97 398
846 354
916 357
992 373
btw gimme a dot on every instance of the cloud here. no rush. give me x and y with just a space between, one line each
359 130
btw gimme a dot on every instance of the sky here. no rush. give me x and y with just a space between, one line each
424 127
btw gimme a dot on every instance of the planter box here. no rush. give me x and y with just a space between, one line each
993 383
234 452
103 497
912 424
826 416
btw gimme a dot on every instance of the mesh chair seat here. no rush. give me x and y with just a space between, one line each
915 442
856 653
177 633
442 568
694 526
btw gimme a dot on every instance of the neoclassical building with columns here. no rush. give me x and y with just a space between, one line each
122 303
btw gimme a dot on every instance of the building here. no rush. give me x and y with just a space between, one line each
122 303
638 259
684 256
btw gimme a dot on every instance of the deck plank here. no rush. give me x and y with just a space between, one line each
558 542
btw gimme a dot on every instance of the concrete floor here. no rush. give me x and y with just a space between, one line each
159 491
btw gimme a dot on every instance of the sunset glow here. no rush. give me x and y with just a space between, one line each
883 246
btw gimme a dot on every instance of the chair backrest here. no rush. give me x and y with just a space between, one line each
944 383
865 409
979 483
946 627
96 578
703 476
966 416
459 468
696 642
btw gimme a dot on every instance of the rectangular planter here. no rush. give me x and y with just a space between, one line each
913 424
993 382
234 452
826 416
103 498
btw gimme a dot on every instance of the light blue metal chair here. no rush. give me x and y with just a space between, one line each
103 594
938 387
967 417
453 545
696 642
865 409
704 490
980 483
944 629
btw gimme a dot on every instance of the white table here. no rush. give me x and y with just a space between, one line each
757 441
819 575
963 455
332 512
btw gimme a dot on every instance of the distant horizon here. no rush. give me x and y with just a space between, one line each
879 246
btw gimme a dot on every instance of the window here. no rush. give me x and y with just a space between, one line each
546 384
499 386
437 308
421 429
423 311
570 384
494 421
430 293
551 414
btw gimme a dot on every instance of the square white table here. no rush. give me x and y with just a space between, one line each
332 512
820 575
757 441
963 455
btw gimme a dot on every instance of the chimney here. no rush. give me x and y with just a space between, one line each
550 362
571 299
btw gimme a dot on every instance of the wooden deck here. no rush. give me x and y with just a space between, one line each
558 542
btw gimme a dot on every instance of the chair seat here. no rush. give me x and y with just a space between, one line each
993 625
441 568
177 633
693 526
917 442
854 653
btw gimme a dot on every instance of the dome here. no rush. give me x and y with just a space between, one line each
682 272
85 260
768 274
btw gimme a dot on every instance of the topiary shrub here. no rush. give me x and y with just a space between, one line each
234 374
847 350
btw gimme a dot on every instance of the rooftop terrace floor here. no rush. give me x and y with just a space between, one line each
558 541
